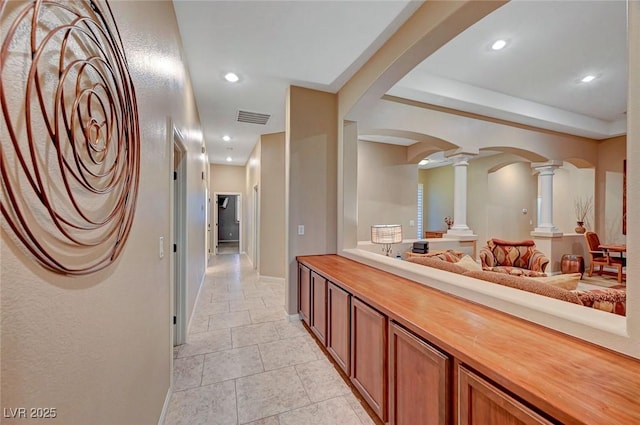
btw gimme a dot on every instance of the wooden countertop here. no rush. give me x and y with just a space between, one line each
570 379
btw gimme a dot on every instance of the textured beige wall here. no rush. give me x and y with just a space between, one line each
437 186
227 178
387 189
508 191
611 153
272 205
569 185
98 348
311 158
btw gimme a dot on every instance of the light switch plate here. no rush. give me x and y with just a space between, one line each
161 247
301 229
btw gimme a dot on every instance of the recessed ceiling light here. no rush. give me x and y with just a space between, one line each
231 77
588 78
226 138
498 44
229 159
423 162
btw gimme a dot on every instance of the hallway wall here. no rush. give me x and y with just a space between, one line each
98 347
266 170
272 224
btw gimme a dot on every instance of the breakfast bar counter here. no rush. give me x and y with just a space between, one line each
418 355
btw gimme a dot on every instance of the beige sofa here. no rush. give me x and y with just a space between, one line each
605 299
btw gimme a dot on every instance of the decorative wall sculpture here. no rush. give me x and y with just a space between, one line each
70 135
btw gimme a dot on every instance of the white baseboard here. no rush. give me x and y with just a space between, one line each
165 407
271 279
294 317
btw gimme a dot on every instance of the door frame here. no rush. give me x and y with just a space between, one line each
215 220
256 228
178 236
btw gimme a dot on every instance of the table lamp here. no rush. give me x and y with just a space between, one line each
386 234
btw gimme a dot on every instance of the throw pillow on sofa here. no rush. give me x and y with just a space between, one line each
469 263
515 271
564 281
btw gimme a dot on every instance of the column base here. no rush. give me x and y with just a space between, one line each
547 232
453 232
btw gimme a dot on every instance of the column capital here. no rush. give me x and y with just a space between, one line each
547 167
460 159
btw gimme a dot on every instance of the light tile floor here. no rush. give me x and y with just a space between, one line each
245 362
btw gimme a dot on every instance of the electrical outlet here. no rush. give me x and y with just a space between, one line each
301 229
412 223
161 247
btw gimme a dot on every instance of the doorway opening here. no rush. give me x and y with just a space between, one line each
178 237
228 231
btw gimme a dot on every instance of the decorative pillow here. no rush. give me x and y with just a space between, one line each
515 271
564 281
609 300
526 242
469 263
437 263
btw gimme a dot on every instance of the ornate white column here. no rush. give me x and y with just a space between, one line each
460 164
546 170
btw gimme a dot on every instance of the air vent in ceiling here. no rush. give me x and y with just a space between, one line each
253 117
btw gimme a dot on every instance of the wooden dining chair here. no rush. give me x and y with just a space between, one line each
602 258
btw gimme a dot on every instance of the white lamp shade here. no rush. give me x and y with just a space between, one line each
386 233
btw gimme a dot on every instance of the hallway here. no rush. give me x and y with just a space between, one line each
245 363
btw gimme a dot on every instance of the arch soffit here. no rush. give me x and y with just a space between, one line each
579 162
527 155
425 144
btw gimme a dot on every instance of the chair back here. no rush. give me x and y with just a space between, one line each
593 241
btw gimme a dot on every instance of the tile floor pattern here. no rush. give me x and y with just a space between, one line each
245 362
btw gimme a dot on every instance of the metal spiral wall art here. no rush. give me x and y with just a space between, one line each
70 134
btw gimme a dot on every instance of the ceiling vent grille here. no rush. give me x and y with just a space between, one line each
253 117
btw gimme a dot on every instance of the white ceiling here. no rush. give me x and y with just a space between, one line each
270 45
320 44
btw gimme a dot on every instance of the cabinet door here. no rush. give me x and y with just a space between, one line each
418 381
304 292
369 355
338 326
319 306
481 403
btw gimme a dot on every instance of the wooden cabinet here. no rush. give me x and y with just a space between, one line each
338 326
304 293
319 306
419 387
481 403
369 355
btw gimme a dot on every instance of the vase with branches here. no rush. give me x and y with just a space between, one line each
582 208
